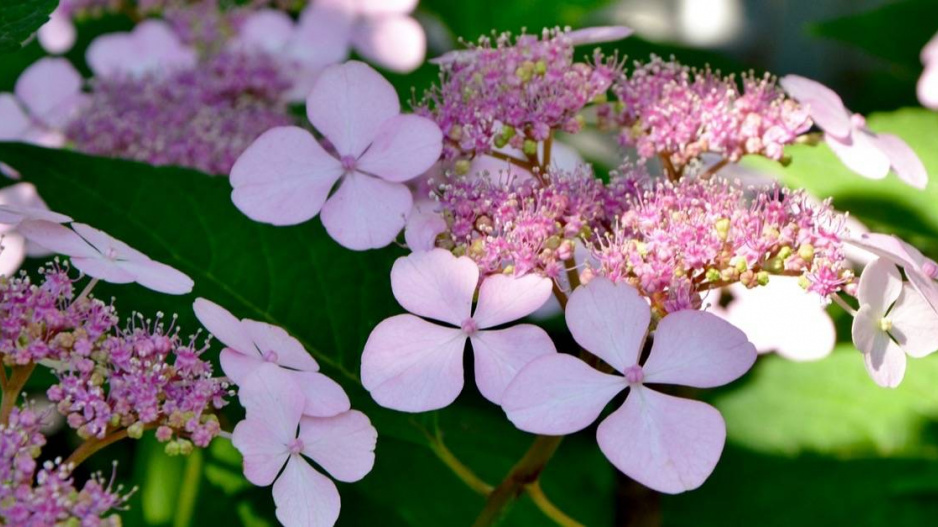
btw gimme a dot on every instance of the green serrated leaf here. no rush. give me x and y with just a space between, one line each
19 19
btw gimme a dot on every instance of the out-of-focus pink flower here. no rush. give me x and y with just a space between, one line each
781 317
285 176
867 153
413 365
275 436
667 443
893 320
150 49
58 34
382 31
927 87
920 270
46 96
101 256
250 344
21 202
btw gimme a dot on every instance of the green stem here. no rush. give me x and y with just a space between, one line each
463 472
12 389
536 493
189 491
524 473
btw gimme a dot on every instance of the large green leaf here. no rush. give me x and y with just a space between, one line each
328 297
21 18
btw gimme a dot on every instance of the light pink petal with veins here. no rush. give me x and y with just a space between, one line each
108 54
324 396
504 298
880 285
559 394
413 365
927 87
423 225
12 252
322 37
158 276
343 445
13 120
57 238
435 284
914 324
884 359
500 354
825 107
666 443
266 30
50 89
405 147
348 105
107 244
284 177
289 352
58 34
271 395
237 365
366 212
599 34
263 453
904 161
14 214
304 497
103 269
699 349
921 271
861 154
395 42
225 327
609 320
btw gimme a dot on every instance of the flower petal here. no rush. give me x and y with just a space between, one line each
436 284
914 323
103 269
366 212
322 37
405 147
289 352
412 365
885 361
344 445
284 177
266 30
271 396
905 162
58 34
324 397
500 354
397 43
927 87
348 105
12 252
599 35
880 285
158 276
264 455
372 8
825 107
699 349
107 244
304 497
238 366
861 154
57 238
666 443
225 327
609 320
558 394
13 120
907 257
504 298
50 89
424 224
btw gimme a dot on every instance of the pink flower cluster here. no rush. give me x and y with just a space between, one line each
671 110
49 496
203 117
675 240
514 92
142 377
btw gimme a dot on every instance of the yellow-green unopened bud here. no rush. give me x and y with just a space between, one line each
741 265
530 147
762 278
135 431
784 253
185 446
723 228
553 242
462 167
803 281
171 448
713 275
508 132
500 141
540 67
510 269
806 252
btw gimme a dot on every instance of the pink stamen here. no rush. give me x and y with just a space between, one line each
634 374
469 326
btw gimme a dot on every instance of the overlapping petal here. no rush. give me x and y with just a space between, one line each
914 323
304 497
51 90
343 445
435 284
609 320
826 108
366 212
504 298
860 153
903 160
500 354
405 147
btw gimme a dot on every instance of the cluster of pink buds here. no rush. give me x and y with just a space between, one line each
677 113
516 91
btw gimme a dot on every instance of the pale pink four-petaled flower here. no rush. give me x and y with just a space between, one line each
919 269
101 256
46 96
413 365
667 443
863 151
275 438
285 176
893 320
151 48
21 202
249 344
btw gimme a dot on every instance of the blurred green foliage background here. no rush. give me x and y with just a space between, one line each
810 444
